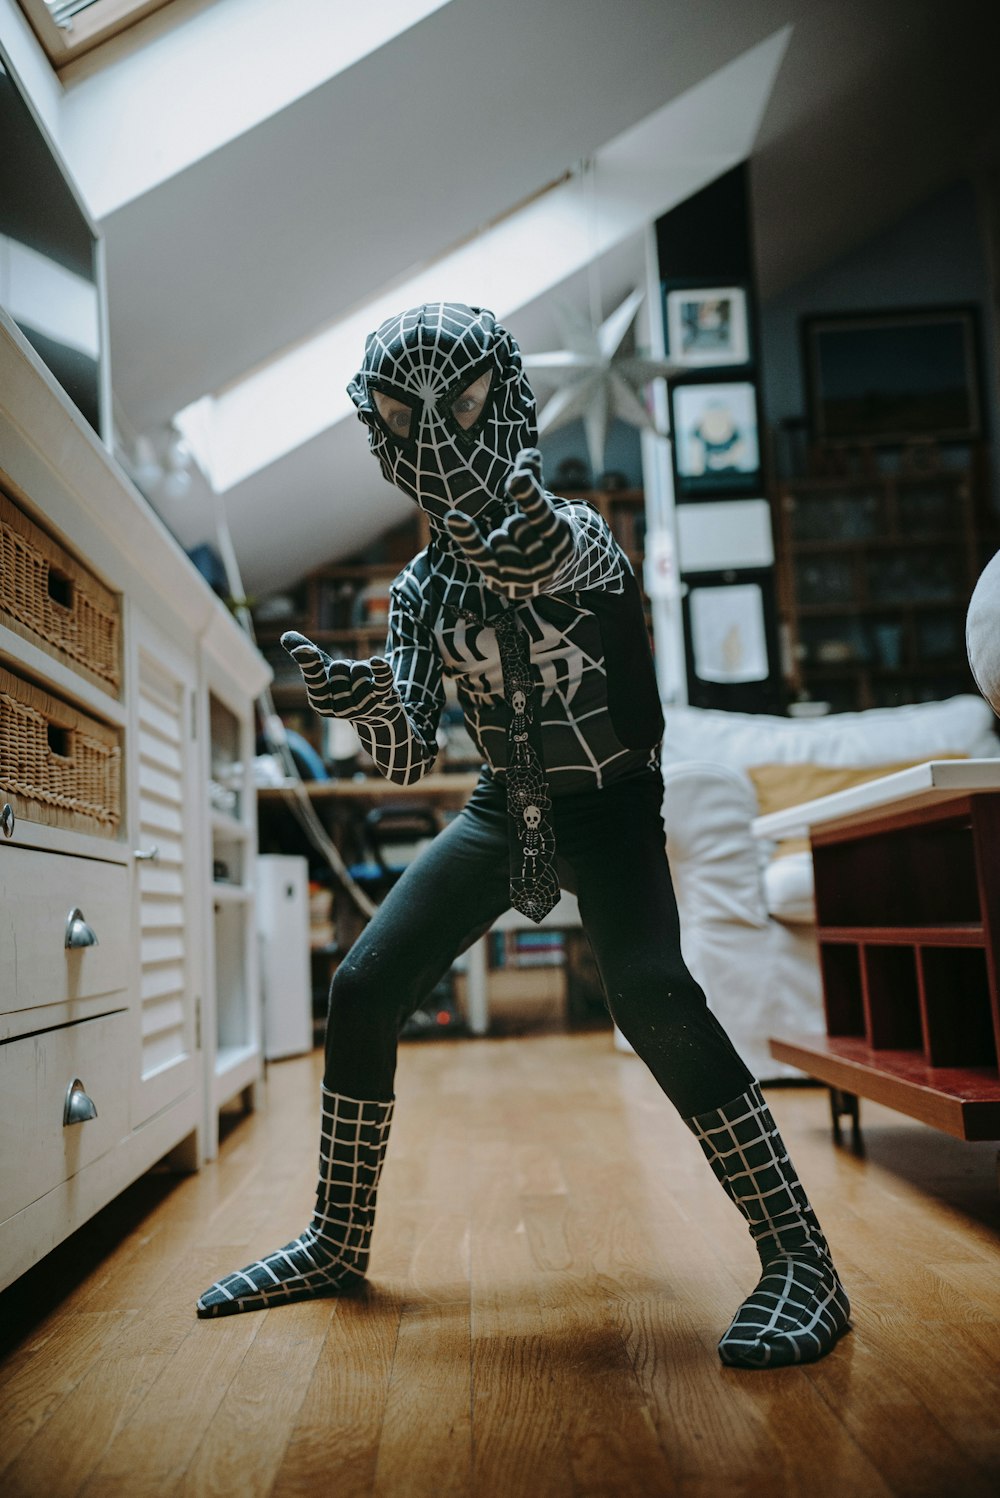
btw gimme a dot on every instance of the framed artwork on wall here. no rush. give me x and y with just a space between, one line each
707 326
715 534
894 376
728 633
730 640
716 441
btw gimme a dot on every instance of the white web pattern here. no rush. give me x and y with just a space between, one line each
799 1307
332 1253
548 555
430 634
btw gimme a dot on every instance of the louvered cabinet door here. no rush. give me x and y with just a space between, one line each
166 833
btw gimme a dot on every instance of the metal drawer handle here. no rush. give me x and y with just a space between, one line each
78 1107
7 819
147 855
78 933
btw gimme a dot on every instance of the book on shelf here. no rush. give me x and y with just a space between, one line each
334 603
524 949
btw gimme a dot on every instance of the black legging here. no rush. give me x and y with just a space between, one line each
612 855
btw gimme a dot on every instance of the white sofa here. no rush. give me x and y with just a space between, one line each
982 632
747 920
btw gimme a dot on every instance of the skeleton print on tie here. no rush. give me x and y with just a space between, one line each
534 884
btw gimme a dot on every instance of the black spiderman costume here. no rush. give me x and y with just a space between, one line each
528 604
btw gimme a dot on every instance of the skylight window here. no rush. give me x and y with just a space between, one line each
68 28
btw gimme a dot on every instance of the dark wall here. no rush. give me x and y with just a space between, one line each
935 256
707 241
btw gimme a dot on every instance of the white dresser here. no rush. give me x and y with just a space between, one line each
129 999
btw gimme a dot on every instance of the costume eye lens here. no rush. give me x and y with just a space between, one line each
468 407
395 416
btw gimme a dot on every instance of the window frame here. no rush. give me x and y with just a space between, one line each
98 23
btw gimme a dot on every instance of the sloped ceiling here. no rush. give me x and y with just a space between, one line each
329 202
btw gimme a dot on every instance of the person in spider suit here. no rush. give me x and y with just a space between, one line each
528 604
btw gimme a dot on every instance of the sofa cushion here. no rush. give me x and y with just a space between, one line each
982 632
878 736
789 892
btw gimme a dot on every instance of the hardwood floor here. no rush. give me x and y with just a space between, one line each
553 1264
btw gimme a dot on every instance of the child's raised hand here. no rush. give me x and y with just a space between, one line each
363 691
530 546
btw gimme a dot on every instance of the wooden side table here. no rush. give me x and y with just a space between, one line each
907 875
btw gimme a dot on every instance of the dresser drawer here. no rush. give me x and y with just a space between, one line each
39 1150
37 892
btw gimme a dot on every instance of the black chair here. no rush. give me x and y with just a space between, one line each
389 838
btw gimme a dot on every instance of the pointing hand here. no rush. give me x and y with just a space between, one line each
362 691
530 546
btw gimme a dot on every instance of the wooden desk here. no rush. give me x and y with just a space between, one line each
446 791
907 872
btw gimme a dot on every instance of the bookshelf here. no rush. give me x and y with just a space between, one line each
907 902
343 607
876 568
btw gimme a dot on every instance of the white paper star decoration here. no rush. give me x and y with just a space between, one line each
596 381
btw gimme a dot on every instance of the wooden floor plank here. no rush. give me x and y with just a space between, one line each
152 1453
132 1351
35 1383
913 1448
727 1424
261 1405
552 1266
425 1447
520 1440
590 1372
68 1447
333 1447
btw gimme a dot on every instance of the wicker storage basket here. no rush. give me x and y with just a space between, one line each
57 764
48 597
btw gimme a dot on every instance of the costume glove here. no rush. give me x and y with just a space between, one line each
528 550
362 691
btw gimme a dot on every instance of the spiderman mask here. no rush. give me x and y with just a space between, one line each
447 406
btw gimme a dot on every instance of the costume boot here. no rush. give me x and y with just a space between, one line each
799 1307
332 1253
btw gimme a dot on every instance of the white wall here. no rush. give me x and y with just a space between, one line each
188 83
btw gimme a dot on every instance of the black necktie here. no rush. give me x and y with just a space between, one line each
534 884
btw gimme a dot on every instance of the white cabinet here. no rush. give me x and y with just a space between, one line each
231 1025
127 973
42 982
283 927
167 882
40 1154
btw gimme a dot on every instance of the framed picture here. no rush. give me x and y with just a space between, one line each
707 326
731 640
893 377
728 640
715 534
716 443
